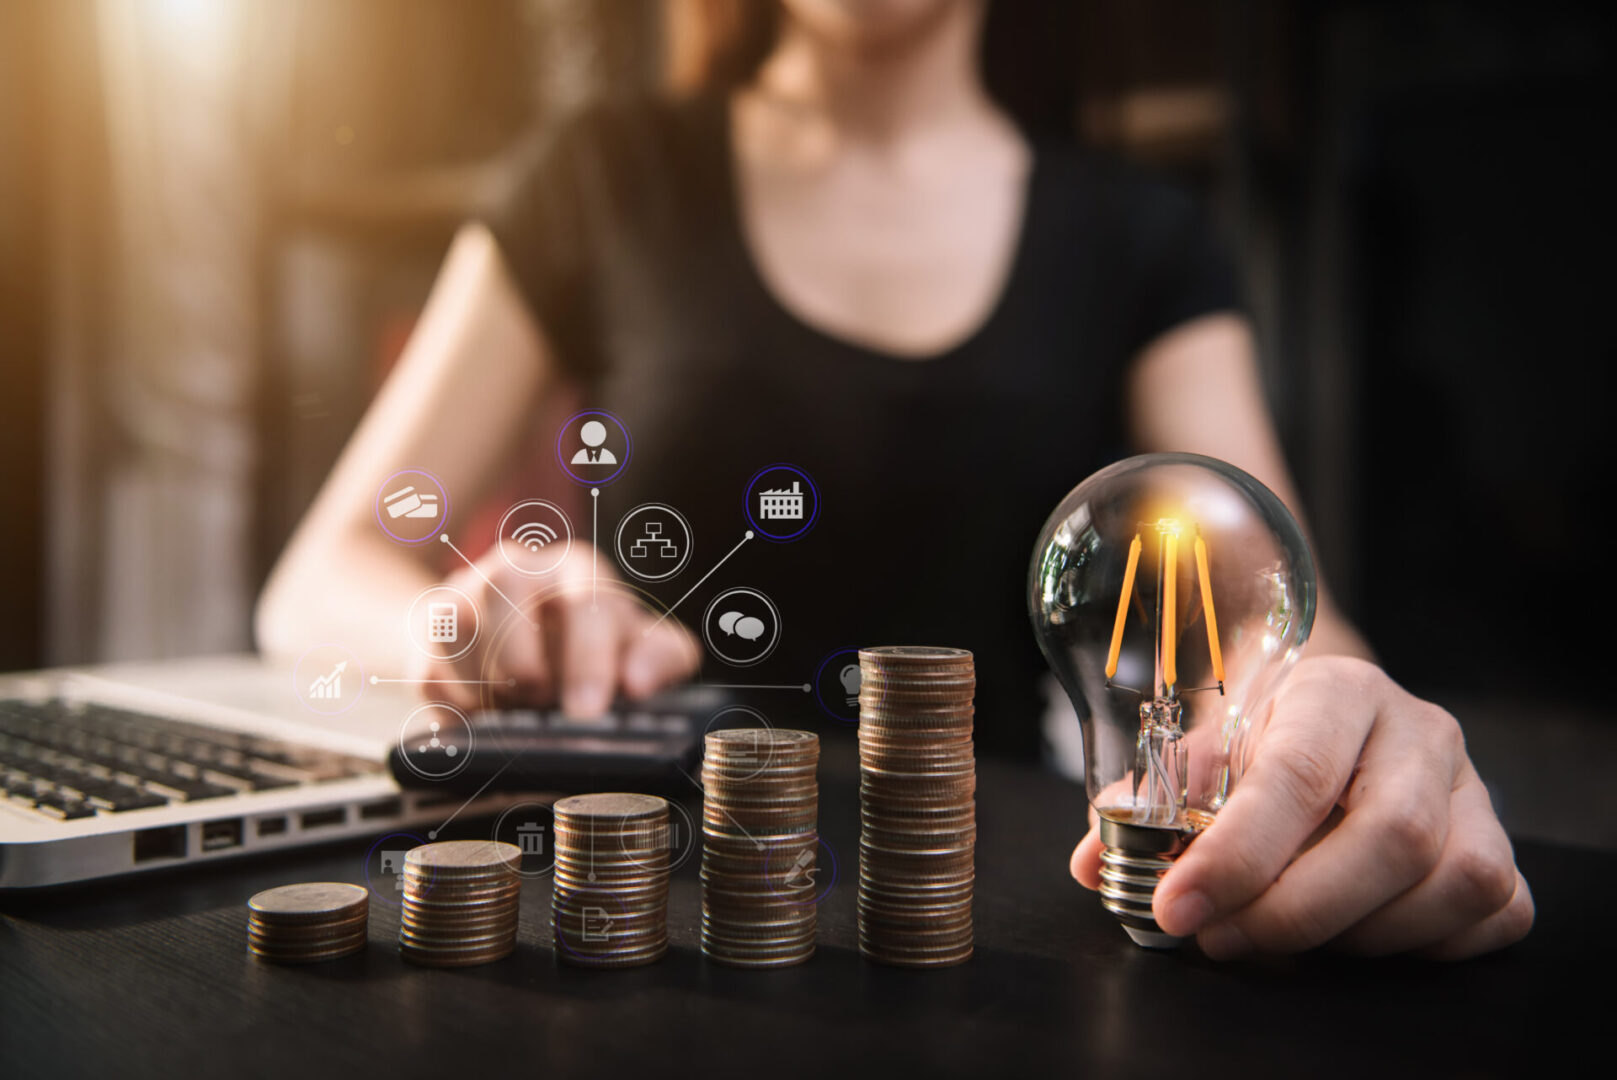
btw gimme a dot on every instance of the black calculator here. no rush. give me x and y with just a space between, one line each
652 746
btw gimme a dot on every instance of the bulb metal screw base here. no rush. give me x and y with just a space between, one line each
1132 861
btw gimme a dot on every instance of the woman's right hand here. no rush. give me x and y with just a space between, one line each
573 638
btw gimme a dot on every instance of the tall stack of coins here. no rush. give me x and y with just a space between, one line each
917 787
610 904
460 903
760 842
299 924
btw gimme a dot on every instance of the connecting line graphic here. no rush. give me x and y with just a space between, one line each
693 588
445 538
457 682
433 835
595 545
803 687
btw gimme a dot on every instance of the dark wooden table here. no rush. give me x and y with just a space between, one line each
150 977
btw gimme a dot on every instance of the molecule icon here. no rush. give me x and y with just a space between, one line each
448 748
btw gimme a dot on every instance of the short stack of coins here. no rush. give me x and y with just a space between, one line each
460 903
918 811
760 843
609 908
300 924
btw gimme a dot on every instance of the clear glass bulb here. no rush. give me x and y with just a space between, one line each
1170 593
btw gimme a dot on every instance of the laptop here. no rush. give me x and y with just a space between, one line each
126 769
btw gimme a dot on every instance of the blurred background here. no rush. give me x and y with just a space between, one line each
219 219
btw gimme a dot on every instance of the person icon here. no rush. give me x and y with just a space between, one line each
391 862
593 453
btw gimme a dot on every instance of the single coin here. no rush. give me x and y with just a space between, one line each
620 805
314 901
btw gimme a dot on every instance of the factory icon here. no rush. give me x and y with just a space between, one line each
781 504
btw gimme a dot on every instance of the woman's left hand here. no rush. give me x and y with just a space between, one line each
1416 860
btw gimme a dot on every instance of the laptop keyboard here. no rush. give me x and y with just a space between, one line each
76 760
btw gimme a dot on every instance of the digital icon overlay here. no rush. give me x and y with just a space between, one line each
436 741
412 506
836 685
805 874
742 718
443 623
531 826
594 447
383 868
782 502
534 537
741 626
653 542
328 680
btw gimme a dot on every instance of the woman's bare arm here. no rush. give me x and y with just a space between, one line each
455 405
1416 860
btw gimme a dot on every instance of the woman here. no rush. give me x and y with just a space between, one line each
852 260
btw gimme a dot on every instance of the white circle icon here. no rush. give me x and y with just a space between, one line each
741 627
443 623
653 542
534 537
436 741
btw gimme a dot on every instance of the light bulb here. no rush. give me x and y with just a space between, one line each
850 684
1170 593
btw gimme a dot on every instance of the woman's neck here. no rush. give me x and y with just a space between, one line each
881 91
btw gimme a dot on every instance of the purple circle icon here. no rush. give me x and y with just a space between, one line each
836 685
412 506
594 447
782 502
387 855
801 876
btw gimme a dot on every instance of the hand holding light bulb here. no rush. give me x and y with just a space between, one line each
1259 813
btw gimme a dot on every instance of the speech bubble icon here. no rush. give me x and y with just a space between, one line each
727 621
750 628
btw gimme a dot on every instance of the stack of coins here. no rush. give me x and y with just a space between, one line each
760 842
299 924
918 814
460 903
610 905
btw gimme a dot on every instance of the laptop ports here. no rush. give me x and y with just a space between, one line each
165 842
219 835
319 819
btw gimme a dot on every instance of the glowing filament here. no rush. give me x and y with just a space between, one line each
1207 608
1170 576
1123 607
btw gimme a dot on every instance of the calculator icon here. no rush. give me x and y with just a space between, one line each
443 623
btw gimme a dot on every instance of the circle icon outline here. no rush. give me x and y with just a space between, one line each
409 623
297 680
494 835
819 694
748 710
375 892
752 519
567 548
707 626
563 462
623 561
443 503
465 759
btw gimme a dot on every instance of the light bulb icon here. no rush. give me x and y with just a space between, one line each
1170 593
850 684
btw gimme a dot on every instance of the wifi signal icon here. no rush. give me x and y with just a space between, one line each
533 535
